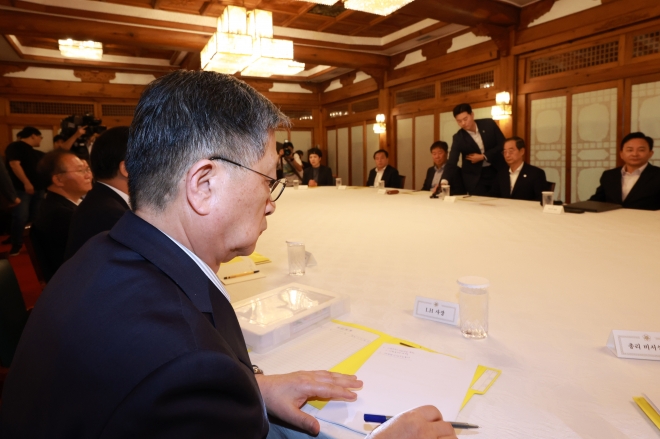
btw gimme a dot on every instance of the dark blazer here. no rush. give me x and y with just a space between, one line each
464 145
325 176
644 195
530 184
130 339
98 212
453 176
390 177
50 232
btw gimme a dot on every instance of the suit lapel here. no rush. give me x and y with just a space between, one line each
638 189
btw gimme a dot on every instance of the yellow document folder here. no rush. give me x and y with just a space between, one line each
648 410
483 379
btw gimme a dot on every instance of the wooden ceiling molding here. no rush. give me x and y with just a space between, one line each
534 11
94 76
466 12
501 36
11 68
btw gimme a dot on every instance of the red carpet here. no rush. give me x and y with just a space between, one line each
27 278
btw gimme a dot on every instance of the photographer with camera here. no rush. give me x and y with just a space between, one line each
61 141
289 163
81 131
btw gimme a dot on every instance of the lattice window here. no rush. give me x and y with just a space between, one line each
415 94
300 115
577 59
339 111
468 83
23 107
368 105
646 44
118 110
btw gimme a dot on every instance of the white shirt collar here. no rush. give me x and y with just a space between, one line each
517 171
124 196
202 265
637 171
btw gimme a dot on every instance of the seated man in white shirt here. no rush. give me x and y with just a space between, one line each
523 181
383 171
636 185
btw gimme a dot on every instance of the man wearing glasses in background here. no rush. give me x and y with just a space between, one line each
70 179
135 335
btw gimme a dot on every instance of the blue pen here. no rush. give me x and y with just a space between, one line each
380 419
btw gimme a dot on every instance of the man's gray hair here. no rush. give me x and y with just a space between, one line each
187 116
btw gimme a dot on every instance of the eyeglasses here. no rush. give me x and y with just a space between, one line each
79 171
276 186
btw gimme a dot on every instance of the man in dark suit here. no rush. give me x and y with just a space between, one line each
479 143
317 174
135 335
522 181
636 185
442 171
383 171
108 199
70 180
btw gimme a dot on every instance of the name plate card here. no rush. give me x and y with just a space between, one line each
437 310
382 191
450 199
341 188
557 210
303 187
635 344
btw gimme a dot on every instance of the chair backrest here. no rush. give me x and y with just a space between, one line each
13 314
32 252
550 186
403 181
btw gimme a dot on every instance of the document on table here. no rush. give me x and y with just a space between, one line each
397 378
320 349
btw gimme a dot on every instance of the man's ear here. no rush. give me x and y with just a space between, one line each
57 180
199 191
122 169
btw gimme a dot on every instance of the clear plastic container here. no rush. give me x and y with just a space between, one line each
473 306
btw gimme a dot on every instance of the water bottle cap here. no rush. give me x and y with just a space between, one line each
473 282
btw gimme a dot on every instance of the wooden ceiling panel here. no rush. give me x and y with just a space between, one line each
289 6
362 17
138 3
185 6
342 28
108 49
309 22
379 30
400 20
279 18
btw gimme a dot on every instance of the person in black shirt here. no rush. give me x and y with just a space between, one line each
22 159
317 174
71 179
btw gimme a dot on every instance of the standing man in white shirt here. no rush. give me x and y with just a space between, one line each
522 181
480 143
636 184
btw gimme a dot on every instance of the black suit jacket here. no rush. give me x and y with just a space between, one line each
453 176
463 145
390 177
644 195
98 212
530 184
325 176
50 232
130 339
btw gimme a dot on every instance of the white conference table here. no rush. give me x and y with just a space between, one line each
559 285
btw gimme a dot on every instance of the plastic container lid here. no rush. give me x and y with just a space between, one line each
473 282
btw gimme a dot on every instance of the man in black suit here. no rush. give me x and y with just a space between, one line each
383 171
522 181
108 199
636 185
480 143
135 335
317 174
442 171
70 180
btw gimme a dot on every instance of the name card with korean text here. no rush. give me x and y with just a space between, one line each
450 199
635 344
557 210
342 187
432 309
382 191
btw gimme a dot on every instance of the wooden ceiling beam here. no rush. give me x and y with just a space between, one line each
346 13
340 58
303 10
466 12
27 24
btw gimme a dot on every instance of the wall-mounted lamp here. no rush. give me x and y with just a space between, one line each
503 108
379 126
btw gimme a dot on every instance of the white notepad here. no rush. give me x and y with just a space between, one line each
396 379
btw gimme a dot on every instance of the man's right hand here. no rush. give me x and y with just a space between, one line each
312 183
15 203
421 423
29 188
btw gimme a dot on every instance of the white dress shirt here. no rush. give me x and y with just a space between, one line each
628 180
202 265
513 176
476 136
379 176
437 177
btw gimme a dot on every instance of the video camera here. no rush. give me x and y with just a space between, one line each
70 125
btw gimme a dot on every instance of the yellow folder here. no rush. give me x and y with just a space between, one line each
648 410
353 363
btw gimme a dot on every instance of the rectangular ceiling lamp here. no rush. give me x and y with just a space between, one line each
233 20
275 57
260 23
378 7
227 53
81 49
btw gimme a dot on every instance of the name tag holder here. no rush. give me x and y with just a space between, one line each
557 210
436 310
637 345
